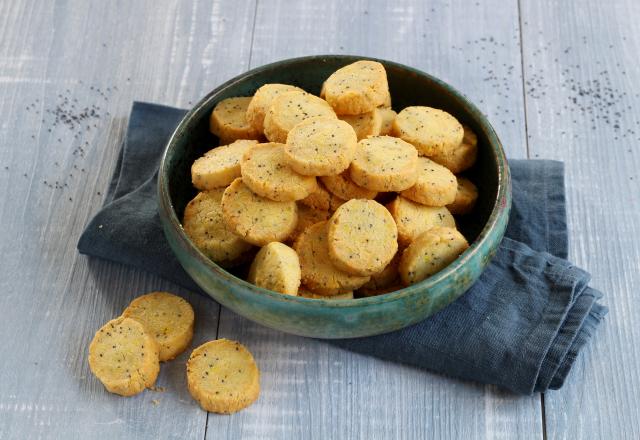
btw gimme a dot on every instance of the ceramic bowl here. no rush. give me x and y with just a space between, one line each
484 229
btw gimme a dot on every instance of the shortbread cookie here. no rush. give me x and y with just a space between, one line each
387 116
430 130
344 188
261 101
124 356
462 157
357 88
256 219
228 121
431 252
167 317
389 276
276 267
223 377
322 199
307 217
362 237
466 197
320 147
365 124
265 171
384 163
435 186
318 273
220 166
291 108
204 224
309 294
413 218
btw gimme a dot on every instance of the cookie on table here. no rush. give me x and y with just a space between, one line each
167 317
265 171
387 116
261 101
123 355
462 157
318 272
276 267
357 88
466 197
320 146
203 222
412 219
220 166
362 237
344 188
322 200
228 120
435 185
291 108
254 218
309 294
431 131
429 253
364 124
223 377
307 216
384 163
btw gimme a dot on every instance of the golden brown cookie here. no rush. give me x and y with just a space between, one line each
318 273
357 88
387 116
123 355
322 199
430 130
362 237
265 171
462 157
167 317
307 217
220 166
320 147
256 219
204 224
223 377
389 276
261 101
413 218
276 267
365 124
291 108
228 120
435 186
344 188
384 163
431 252
466 197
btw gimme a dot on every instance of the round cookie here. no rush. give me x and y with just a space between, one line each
261 101
357 88
167 317
387 116
265 171
204 224
466 197
257 219
220 166
228 120
344 188
412 219
364 124
462 157
384 163
307 217
276 267
320 146
318 273
322 199
291 108
223 377
123 355
435 186
430 130
362 237
429 253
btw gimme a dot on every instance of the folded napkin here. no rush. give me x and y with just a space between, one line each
520 326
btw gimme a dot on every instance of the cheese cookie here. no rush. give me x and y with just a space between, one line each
261 101
276 267
413 218
435 185
466 197
387 116
220 166
357 88
322 199
307 216
228 121
462 157
344 188
364 124
430 130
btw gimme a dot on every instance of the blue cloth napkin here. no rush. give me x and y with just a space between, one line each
520 327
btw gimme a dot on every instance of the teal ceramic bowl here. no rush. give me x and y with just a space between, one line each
338 318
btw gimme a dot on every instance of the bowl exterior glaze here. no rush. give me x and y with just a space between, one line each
338 318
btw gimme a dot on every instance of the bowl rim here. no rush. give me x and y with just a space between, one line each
503 193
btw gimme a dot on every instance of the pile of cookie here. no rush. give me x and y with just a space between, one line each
340 193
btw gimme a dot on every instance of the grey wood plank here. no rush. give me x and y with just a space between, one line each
312 390
57 58
582 103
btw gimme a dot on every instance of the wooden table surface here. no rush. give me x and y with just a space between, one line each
558 79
